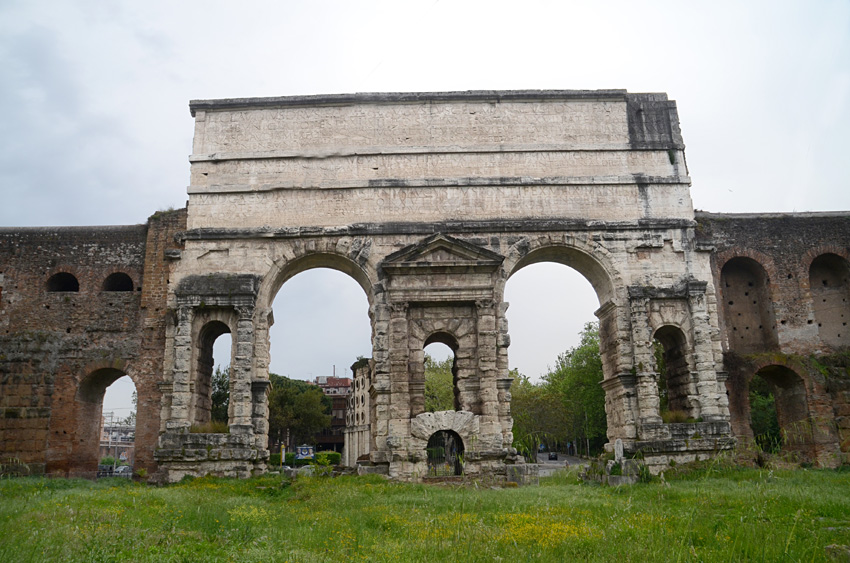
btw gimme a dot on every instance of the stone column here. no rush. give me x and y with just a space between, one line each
646 381
181 392
711 393
241 394
379 391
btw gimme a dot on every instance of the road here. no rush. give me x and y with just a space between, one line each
548 467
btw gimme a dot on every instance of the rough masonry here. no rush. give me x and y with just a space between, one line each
430 202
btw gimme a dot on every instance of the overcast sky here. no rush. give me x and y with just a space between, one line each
95 126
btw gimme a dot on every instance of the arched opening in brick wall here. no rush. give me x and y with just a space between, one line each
829 281
205 414
91 436
118 281
675 385
441 393
792 429
319 327
553 297
445 454
118 427
63 281
747 307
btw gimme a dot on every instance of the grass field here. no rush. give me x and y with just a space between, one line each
709 515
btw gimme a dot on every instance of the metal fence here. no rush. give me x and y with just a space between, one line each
445 454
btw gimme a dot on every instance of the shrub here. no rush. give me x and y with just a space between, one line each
109 460
274 460
331 458
292 462
674 416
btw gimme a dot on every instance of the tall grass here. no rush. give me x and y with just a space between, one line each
716 514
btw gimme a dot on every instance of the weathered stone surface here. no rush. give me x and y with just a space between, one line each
430 202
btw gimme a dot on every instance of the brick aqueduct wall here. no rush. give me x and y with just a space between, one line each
62 345
784 289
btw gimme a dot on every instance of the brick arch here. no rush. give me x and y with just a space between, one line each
828 289
764 260
73 439
815 252
752 309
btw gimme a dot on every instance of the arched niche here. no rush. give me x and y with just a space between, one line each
674 370
829 281
118 281
209 326
747 306
63 281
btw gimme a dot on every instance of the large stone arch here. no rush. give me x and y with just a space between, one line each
431 222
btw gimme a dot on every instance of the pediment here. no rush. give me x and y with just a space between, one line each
442 251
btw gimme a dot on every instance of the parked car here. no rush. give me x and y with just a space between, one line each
553 456
123 471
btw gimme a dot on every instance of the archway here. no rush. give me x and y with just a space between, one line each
440 373
747 307
556 350
89 412
319 326
445 454
829 281
673 367
201 408
118 429
789 405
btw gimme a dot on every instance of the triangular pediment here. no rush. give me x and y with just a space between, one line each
441 250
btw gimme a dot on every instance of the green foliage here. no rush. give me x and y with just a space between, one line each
539 414
220 394
109 460
274 460
297 411
330 457
439 385
763 418
576 381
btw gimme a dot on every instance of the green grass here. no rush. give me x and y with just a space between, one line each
713 515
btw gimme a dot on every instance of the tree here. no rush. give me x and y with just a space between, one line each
220 395
576 381
439 385
297 411
763 419
131 418
539 416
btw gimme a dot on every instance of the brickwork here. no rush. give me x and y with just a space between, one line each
59 350
431 202
784 283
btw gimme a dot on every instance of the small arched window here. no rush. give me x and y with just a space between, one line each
119 281
63 281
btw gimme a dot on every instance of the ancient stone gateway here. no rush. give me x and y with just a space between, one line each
431 202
